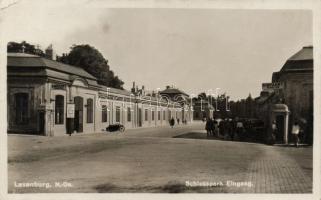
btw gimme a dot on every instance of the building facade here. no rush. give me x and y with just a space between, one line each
291 87
50 98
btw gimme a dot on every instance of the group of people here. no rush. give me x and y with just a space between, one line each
296 131
227 128
236 129
172 121
211 127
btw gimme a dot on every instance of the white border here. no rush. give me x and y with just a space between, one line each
314 5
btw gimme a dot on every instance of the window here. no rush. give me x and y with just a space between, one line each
59 109
159 115
153 115
129 114
146 114
104 113
21 105
164 115
117 114
90 110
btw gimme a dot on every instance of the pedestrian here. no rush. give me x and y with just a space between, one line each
274 131
232 128
172 122
295 133
228 129
208 127
221 127
303 131
239 129
215 127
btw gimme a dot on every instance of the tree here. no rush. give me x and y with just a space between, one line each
25 47
91 60
202 95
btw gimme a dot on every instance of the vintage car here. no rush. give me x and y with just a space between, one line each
115 127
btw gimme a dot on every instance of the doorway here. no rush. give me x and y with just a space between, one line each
41 124
78 122
280 128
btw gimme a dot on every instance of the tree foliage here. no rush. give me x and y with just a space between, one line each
91 60
15 47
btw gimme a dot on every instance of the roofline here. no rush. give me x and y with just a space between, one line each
51 68
48 67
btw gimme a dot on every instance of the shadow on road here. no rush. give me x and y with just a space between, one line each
203 135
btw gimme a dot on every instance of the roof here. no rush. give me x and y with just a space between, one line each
302 60
280 108
28 60
264 96
116 91
173 91
306 53
22 55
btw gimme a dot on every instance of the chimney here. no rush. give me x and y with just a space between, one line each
167 86
133 88
143 90
50 53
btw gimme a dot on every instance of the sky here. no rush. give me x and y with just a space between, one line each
196 50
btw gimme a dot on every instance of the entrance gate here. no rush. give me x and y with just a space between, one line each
280 114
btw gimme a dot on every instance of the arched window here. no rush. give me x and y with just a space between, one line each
117 114
22 109
104 113
59 109
146 115
90 109
129 114
153 115
164 115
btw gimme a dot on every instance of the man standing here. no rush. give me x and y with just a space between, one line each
274 132
215 128
239 129
295 132
172 122
208 127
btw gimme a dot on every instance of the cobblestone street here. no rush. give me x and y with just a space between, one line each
275 172
152 160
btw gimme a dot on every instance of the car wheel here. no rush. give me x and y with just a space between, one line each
122 129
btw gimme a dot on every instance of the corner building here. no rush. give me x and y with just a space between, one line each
50 98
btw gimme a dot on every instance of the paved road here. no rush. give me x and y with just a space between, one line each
151 160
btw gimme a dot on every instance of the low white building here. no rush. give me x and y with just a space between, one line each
50 98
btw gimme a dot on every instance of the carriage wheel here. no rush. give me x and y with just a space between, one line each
122 129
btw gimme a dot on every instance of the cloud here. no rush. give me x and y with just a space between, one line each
46 22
